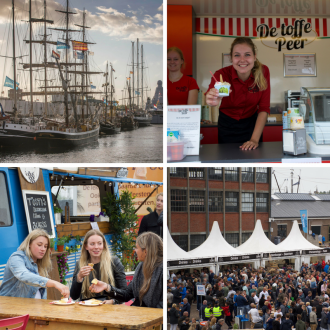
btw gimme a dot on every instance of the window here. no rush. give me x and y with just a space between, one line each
196 172
231 201
247 174
247 202
233 239
178 200
215 201
181 241
245 237
196 241
262 174
5 214
178 172
215 173
197 200
231 173
262 202
83 200
281 231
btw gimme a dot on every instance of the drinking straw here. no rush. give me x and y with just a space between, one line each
221 78
213 77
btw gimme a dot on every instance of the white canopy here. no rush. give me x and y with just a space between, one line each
174 252
296 241
258 242
214 245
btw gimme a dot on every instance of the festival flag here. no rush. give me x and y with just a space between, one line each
137 93
113 70
93 87
78 55
128 78
62 45
78 45
131 72
91 53
10 83
55 55
155 106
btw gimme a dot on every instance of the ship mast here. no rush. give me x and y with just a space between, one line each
142 76
137 75
111 91
45 58
14 58
132 71
106 93
30 21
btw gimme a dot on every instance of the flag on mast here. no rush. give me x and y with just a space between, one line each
78 45
10 83
55 55
62 45
78 55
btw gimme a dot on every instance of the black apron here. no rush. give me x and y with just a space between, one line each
236 131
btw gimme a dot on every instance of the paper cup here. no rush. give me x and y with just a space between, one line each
223 88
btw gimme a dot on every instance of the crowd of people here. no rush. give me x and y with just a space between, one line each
270 298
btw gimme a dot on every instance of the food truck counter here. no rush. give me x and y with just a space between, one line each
48 316
267 152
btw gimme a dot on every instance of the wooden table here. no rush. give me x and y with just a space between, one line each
51 317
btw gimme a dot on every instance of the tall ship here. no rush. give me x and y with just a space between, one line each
63 127
109 126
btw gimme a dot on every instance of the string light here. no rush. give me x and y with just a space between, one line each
72 178
92 181
110 184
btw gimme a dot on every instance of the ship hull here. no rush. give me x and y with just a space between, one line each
143 122
157 119
58 139
16 136
128 124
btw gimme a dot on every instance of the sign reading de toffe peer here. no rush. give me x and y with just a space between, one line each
287 37
38 211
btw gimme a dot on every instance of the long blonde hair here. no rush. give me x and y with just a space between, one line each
105 263
154 258
259 78
44 264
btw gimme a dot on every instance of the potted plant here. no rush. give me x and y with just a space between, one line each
52 244
61 241
58 213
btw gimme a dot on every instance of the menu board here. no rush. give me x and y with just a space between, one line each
296 65
38 211
186 119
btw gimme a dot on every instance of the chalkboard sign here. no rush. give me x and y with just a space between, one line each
38 211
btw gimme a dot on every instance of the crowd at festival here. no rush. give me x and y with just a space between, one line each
270 298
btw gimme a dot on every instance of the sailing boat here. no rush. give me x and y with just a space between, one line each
71 132
107 127
16 132
140 115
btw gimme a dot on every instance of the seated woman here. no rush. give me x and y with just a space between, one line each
96 262
147 284
27 270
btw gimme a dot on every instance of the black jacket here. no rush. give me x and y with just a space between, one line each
286 325
174 316
150 223
176 296
118 272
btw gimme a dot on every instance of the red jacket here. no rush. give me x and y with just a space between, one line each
226 310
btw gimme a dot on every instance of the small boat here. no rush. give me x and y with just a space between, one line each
144 119
109 128
128 123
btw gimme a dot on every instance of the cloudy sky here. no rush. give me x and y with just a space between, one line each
114 25
312 178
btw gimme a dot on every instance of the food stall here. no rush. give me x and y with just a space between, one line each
291 38
22 191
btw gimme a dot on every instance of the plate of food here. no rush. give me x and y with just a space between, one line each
91 302
63 302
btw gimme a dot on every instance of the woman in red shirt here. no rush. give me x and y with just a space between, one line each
244 112
181 89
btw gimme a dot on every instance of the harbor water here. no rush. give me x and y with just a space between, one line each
143 145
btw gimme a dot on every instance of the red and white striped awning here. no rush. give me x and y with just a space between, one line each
247 27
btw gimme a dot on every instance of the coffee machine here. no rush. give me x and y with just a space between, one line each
292 99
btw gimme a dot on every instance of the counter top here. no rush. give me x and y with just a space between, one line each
267 124
267 152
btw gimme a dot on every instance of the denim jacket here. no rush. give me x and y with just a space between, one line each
21 278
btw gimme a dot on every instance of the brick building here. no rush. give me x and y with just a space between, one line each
237 197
